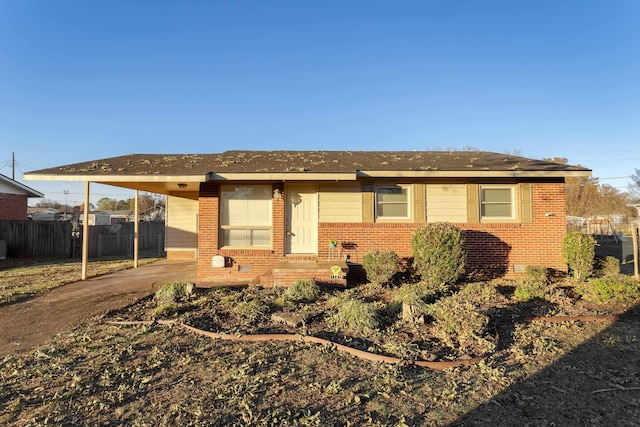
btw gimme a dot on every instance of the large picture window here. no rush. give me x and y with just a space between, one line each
245 216
496 202
392 202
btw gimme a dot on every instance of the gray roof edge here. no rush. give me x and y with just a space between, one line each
30 191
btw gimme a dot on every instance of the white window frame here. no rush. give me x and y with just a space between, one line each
247 228
512 203
377 202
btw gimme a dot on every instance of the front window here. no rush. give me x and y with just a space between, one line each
245 216
392 202
496 203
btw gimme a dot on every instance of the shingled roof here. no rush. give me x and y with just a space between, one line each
284 162
180 173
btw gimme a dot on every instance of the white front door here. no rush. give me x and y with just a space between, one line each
302 219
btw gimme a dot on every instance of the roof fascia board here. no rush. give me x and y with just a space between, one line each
116 178
30 191
474 174
274 176
301 176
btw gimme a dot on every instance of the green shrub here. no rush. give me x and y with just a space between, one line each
578 250
529 291
174 291
302 290
439 253
354 316
380 265
609 266
536 274
622 289
459 324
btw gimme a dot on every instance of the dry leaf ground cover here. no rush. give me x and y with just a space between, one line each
537 373
21 279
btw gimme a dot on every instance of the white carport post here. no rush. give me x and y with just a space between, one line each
85 232
136 229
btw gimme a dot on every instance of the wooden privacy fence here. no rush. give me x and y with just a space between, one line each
36 239
118 239
42 239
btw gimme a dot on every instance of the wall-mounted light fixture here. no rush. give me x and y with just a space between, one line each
277 194
182 185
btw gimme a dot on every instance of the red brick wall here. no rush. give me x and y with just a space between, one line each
496 247
13 207
260 260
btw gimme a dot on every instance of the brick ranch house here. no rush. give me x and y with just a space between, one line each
14 199
269 216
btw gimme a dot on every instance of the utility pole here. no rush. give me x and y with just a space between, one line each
13 165
66 194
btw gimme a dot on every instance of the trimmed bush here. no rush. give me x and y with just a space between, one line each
380 265
578 250
302 290
439 253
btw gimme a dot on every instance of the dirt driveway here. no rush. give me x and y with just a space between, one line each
30 323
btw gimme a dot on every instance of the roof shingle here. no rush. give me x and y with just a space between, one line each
305 161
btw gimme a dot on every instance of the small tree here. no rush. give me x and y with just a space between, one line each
439 253
578 250
380 265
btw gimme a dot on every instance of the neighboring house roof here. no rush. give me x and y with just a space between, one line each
154 172
35 210
10 186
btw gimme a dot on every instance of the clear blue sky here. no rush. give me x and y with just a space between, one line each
84 80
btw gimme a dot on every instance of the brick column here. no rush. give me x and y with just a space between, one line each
208 225
278 225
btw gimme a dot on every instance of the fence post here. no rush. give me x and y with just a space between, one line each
635 231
